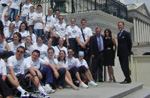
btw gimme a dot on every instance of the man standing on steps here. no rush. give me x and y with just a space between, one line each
124 51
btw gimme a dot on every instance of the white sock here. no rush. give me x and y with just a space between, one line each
47 85
41 89
20 89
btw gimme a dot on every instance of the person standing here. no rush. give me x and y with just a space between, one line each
109 53
96 50
124 51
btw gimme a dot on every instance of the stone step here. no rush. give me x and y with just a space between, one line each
103 90
142 93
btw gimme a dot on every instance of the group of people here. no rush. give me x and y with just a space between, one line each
52 54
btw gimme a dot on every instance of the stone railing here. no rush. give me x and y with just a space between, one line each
140 69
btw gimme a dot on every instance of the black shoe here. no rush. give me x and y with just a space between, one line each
125 82
100 81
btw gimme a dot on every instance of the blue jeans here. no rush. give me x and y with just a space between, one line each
47 36
23 19
15 11
38 32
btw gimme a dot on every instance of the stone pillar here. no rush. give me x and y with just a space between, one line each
137 26
135 30
148 32
144 32
140 30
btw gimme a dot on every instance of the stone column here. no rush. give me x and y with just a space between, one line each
144 32
148 32
138 34
140 30
135 30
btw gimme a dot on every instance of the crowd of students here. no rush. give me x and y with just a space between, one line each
43 48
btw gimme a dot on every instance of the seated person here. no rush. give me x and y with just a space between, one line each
64 64
60 82
75 69
16 66
43 69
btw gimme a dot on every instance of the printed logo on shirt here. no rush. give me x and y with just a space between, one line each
62 29
74 31
17 69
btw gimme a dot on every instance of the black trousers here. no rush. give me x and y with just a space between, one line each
97 67
124 62
4 89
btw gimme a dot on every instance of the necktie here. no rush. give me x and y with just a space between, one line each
99 44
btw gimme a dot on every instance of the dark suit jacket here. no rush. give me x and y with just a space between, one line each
124 44
94 46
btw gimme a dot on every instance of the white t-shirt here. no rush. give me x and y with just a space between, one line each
14 47
72 62
43 49
24 35
5 2
87 32
3 70
39 25
3 46
6 27
73 31
18 65
30 17
53 61
60 29
49 22
15 4
57 50
33 38
37 64
82 63
63 64
30 48
26 9
17 25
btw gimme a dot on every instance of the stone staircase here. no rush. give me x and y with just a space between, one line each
106 90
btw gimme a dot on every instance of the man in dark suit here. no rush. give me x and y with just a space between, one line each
124 51
96 51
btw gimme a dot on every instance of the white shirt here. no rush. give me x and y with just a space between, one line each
63 64
18 65
6 27
72 62
49 22
87 32
39 25
73 31
53 61
30 48
82 63
26 9
60 29
30 17
3 46
5 2
43 49
14 47
57 50
15 4
3 70
17 25
24 35
37 64
33 38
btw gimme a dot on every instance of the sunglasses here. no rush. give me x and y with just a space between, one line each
20 51
60 18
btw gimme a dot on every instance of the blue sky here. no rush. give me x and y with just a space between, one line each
147 2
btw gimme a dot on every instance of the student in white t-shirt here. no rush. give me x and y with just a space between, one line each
43 69
16 42
14 8
22 30
60 82
60 29
56 17
9 34
39 20
83 39
6 23
64 64
49 22
29 17
60 47
17 23
4 7
41 47
32 34
72 32
25 10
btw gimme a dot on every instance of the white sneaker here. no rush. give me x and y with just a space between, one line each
25 95
48 89
43 95
83 85
93 83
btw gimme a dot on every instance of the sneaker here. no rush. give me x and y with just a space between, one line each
42 95
33 95
25 95
93 83
48 89
83 85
